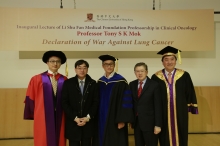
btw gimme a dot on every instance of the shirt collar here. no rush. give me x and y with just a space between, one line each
50 72
144 81
166 72
111 75
81 80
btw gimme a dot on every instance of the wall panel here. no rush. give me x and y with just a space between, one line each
12 124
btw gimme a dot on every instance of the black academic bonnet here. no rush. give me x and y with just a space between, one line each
58 54
107 57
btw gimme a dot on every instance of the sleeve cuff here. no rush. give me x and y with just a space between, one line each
193 110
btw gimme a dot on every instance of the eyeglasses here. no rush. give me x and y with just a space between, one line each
54 61
84 68
108 64
140 71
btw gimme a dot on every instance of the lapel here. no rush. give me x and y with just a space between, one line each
86 84
146 85
75 83
135 89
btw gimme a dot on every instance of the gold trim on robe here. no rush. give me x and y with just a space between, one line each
112 81
178 74
194 105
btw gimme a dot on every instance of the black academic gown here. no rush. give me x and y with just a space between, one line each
115 107
176 107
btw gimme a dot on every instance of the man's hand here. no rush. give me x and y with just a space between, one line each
121 125
157 130
80 122
84 119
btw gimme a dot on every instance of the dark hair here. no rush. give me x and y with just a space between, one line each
141 64
168 55
80 62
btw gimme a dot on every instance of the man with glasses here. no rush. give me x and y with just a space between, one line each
147 107
115 108
80 105
43 102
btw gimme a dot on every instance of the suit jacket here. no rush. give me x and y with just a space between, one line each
148 107
75 104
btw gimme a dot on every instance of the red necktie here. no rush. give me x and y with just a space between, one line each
140 89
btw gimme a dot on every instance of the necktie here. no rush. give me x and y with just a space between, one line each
54 84
170 77
57 76
81 86
140 89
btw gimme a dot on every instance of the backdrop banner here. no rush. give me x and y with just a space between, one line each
40 29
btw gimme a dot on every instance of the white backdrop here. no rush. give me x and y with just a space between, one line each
205 70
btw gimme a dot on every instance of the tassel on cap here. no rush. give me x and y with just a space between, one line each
179 57
116 65
66 70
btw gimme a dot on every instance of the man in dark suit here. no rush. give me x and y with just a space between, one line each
80 105
147 107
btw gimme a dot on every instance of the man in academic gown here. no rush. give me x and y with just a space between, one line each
147 107
80 104
43 102
115 108
178 97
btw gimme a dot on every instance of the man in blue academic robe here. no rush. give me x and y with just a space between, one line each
115 109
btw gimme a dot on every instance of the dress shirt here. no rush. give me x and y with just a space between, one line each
111 75
144 81
166 73
50 72
82 80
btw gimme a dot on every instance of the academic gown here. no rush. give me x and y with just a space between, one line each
115 107
40 107
178 99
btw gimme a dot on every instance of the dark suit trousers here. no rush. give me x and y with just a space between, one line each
84 142
144 138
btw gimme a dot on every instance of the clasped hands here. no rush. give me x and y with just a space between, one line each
81 121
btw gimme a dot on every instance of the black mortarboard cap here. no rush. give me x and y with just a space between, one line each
51 53
168 50
107 57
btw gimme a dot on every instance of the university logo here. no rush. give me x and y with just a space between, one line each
89 18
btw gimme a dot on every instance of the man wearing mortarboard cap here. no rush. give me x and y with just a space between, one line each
178 97
43 102
115 106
